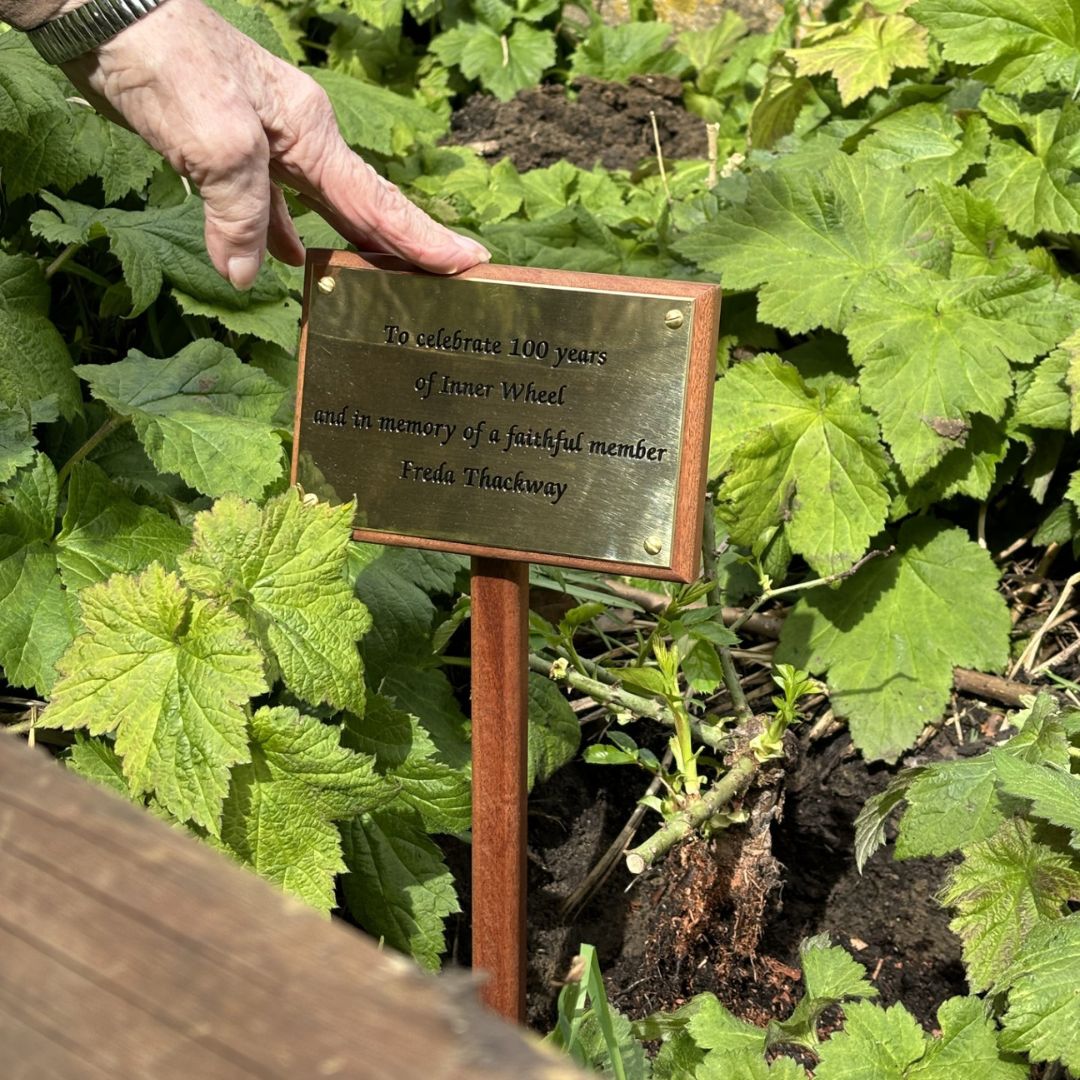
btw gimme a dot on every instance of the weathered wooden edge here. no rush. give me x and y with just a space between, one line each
697 414
136 923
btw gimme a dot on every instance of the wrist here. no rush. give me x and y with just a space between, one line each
81 26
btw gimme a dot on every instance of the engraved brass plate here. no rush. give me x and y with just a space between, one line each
499 414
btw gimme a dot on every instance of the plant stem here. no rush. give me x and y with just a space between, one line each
89 446
660 156
743 712
60 259
813 583
687 821
607 694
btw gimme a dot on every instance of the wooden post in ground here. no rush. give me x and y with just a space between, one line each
499 755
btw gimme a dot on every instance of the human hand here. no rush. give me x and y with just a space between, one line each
233 118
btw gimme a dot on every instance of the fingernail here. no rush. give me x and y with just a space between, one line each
243 270
474 250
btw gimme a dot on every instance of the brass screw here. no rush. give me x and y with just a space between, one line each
654 545
327 284
673 319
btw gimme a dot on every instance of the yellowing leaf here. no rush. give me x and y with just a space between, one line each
171 674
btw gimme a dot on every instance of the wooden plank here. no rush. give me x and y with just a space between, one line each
216 972
500 746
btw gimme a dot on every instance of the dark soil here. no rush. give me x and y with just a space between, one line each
728 915
607 123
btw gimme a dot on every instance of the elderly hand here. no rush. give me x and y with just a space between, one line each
233 118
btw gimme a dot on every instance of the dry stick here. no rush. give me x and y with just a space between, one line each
660 156
1027 657
677 828
607 862
712 135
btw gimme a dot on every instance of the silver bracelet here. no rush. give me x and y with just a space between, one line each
95 22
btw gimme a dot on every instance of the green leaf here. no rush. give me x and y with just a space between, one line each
715 1028
830 974
614 53
981 244
171 674
201 413
48 155
28 87
934 352
374 118
17 442
278 813
122 160
968 1047
1004 888
1033 185
747 1066
862 53
890 635
807 458
795 217
398 888
928 143
34 360
554 732
1053 791
1047 402
155 245
1043 1017
96 760
504 63
1024 44
252 20
105 533
38 619
276 321
876 1044
283 568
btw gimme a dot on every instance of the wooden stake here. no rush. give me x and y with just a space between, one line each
499 755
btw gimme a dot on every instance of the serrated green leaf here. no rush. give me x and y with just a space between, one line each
890 635
1024 44
933 352
47 155
614 53
715 1028
967 1047
1043 1017
28 88
96 760
38 619
104 532
17 442
504 63
283 568
830 974
34 360
927 143
253 20
122 160
1046 403
862 53
277 817
747 1066
810 459
398 888
1053 791
554 732
981 244
201 413
276 321
171 674
1005 887
155 245
795 217
876 1044
374 118
1032 185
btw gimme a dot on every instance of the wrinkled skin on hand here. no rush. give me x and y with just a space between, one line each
233 119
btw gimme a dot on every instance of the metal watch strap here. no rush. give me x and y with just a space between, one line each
95 22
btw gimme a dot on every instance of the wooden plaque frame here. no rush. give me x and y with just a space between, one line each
685 550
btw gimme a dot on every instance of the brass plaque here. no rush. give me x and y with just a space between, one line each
499 414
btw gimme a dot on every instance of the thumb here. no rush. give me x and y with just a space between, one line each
235 187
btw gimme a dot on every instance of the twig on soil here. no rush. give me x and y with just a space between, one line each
1058 658
1027 657
991 687
607 862
687 821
